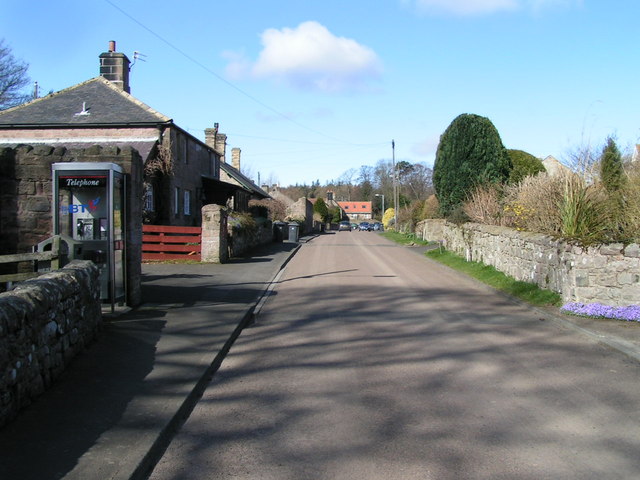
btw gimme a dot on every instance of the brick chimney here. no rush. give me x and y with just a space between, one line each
114 67
235 158
216 140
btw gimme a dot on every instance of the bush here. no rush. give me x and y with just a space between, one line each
387 218
242 223
458 215
275 209
431 208
630 192
470 153
582 211
524 165
484 205
532 204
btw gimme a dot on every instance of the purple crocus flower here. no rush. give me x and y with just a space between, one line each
630 313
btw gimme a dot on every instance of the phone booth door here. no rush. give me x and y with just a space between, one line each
89 208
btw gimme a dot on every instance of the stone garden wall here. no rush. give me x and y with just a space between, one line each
242 241
607 274
221 241
44 323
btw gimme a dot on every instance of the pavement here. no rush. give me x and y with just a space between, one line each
118 404
114 411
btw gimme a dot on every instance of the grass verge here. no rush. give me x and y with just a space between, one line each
488 275
527 292
404 238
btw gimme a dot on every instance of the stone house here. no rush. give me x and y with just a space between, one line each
180 172
553 167
171 174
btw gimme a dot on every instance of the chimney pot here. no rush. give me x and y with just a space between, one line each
114 67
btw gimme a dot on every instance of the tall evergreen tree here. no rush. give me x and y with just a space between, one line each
611 167
470 152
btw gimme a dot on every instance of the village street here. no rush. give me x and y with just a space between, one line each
371 362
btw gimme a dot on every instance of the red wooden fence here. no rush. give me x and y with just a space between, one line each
162 242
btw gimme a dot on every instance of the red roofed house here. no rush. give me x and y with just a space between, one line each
357 210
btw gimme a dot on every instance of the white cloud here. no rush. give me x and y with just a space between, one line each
311 57
479 7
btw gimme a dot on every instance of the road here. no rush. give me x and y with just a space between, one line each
371 362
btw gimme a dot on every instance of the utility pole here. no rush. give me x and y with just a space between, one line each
395 186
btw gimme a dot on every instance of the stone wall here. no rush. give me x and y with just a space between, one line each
608 274
220 241
44 323
241 242
26 199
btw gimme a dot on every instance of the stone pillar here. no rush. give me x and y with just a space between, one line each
214 234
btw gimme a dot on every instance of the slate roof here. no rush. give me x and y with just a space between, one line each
104 104
242 180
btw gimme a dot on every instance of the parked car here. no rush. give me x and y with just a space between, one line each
344 226
377 226
354 226
364 226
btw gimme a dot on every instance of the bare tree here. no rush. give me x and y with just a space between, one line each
13 78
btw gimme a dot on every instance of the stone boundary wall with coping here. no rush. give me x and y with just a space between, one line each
44 323
242 242
607 274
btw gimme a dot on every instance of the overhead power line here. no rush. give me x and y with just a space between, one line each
223 80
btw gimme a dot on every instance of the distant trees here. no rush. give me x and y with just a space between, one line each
13 78
470 153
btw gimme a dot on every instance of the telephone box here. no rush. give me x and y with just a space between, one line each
89 207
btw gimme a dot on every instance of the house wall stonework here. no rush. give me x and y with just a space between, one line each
608 274
26 201
302 210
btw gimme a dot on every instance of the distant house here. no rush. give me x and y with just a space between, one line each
357 210
553 167
181 173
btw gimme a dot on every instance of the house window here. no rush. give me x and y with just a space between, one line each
187 202
149 204
176 201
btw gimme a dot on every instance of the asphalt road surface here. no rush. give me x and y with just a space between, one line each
372 362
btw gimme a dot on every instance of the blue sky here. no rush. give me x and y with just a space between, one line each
310 89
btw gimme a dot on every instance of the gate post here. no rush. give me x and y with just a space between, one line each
214 234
